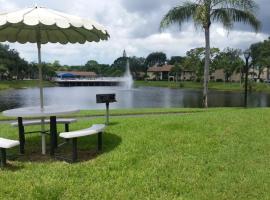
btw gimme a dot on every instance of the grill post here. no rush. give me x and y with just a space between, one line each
107 99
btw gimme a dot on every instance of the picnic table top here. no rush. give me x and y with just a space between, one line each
47 111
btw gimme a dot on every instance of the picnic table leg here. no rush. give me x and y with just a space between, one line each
53 132
21 134
3 157
66 127
107 113
74 150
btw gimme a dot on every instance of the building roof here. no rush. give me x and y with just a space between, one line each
76 73
164 68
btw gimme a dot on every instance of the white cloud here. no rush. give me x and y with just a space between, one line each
7 5
132 26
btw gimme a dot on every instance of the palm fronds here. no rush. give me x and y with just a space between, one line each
179 15
204 12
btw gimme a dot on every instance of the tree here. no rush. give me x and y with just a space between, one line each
137 66
32 71
92 66
15 66
56 65
3 71
260 54
156 58
195 59
118 67
176 59
230 61
177 70
256 57
48 70
204 13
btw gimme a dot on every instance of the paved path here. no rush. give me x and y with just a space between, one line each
116 115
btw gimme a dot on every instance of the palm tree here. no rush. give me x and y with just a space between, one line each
204 12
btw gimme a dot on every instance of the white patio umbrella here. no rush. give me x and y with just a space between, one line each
41 25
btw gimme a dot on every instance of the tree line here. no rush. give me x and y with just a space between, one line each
12 66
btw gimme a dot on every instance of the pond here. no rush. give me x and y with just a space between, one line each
142 97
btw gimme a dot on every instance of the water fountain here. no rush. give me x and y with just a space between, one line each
128 80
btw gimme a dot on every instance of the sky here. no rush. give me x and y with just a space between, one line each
134 25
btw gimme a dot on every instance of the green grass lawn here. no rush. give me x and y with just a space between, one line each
215 154
257 87
22 84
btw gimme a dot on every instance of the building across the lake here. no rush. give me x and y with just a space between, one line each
75 75
188 75
219 76
159 72
164 72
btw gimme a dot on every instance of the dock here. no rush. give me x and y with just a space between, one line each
104 81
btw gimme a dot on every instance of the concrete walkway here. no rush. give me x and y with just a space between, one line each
115 116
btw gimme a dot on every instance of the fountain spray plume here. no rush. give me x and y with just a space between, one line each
128 80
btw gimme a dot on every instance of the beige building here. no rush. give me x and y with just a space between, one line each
265 74
188 75
164 73
219 75
159 73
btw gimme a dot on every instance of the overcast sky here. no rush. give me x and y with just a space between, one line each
134 26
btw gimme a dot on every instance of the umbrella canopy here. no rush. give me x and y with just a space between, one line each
42 25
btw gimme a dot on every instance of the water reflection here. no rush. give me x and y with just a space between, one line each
85 97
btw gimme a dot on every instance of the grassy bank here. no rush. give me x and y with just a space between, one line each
258 87
215 154
22 84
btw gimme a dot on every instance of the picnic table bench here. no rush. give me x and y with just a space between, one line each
6 144
93 130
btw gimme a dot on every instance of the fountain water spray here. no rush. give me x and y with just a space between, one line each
128 80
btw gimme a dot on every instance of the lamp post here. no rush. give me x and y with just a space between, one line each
247 56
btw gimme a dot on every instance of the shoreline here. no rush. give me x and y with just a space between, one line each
23 84
217 86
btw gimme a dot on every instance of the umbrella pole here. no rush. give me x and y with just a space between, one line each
43 137
40 76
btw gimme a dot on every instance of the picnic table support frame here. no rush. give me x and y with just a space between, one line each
66 127
3 157
29 112
99 141
74 150
53 132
